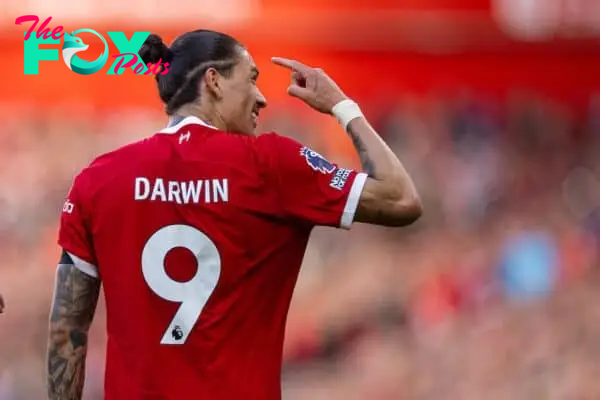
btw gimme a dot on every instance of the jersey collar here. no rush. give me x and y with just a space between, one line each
185 121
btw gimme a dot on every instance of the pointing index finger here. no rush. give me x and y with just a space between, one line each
290 64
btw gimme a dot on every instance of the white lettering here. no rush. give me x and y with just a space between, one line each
220 190
188 192
191 192
174 191
142 183
184 137
68 207
206 191
159 190
339 179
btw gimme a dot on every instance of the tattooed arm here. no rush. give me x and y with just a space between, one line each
389 196
75 298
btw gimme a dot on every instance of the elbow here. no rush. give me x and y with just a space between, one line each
408 212
389 205
405 210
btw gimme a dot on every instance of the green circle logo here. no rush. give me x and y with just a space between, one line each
73 44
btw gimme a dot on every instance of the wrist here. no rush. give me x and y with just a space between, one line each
345 111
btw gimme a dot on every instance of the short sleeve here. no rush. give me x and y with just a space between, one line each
309 187
74 236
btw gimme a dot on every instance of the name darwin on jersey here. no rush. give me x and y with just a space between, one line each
182 192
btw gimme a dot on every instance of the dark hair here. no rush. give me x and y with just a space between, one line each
190 55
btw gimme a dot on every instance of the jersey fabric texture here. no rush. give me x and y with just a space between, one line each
198 236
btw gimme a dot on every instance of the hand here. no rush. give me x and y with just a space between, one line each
311 85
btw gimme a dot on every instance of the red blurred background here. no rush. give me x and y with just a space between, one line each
398 46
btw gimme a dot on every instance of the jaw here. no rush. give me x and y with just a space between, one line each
247 129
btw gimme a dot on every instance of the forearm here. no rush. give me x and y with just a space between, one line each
379 161
67 350
389 196
75 298
376 158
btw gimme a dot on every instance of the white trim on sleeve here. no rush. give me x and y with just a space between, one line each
84 266
352 201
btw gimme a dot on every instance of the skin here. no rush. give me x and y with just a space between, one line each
1 304
389 197
75 299
229 102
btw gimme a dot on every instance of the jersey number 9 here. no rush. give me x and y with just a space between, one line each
192 294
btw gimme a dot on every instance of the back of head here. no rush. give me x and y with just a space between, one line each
190 55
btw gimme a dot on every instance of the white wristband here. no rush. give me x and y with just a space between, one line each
345 111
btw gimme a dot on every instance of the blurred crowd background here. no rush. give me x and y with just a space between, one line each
493 106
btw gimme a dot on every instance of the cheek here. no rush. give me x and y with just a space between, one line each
240 99
248 91
247 97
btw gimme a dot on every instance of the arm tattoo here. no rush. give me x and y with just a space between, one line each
75 298
365 160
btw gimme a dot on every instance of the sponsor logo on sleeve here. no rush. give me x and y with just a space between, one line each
339 179
317 161
68 207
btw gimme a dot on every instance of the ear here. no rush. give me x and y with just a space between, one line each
212 78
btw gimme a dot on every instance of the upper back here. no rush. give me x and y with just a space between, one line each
189 186
187 167
243 207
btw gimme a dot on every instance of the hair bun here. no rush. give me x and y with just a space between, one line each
154 50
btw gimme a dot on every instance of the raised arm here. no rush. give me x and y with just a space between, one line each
389 196
75 299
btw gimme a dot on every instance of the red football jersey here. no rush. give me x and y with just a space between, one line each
198 236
